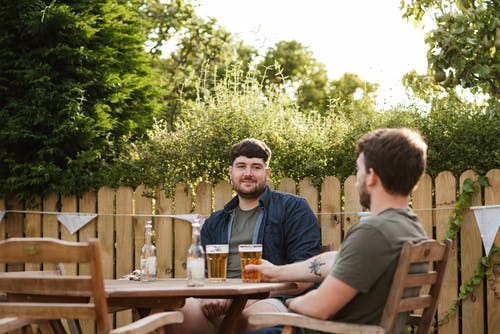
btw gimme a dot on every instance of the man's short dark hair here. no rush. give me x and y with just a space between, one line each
250 148
398 156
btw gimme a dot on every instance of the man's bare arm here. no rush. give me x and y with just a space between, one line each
314 269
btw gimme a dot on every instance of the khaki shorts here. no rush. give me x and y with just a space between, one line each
275 303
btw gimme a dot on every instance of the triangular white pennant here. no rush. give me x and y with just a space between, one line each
488 221
74 222
2 213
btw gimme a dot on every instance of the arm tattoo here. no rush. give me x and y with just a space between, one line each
314 267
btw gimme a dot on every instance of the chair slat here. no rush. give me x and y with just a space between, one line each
420 279
49 310
43 284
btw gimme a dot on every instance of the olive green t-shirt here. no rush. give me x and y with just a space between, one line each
241 233
367 261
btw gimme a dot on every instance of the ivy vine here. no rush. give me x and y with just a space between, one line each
470 187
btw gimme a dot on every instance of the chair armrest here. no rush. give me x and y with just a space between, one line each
12 323
302 321
150 323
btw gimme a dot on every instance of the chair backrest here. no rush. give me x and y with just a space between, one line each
416 290
39 296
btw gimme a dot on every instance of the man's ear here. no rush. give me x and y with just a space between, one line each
371 178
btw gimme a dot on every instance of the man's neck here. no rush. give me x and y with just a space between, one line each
384 201
248 203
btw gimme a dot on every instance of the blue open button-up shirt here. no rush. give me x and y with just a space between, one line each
287 228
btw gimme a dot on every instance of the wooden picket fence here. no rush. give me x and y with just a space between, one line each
122 212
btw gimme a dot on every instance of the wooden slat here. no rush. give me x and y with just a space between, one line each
421 279
331 231
287 185
414 303
69 204
203 200
164 235
40 249
182 229
106 229
223 193
445 198
40 284
124 242
351 203
310 193
492 197
421 202
48 310
50 225
471 242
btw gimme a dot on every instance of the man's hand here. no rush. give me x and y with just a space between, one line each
269 272
214 308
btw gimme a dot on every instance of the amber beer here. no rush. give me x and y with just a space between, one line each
217 261
250 254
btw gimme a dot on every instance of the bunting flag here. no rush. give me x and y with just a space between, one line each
74 222
2 213
488 221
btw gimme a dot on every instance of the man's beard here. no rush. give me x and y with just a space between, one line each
364 197
256 193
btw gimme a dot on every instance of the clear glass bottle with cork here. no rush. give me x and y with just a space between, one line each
195 265
148 254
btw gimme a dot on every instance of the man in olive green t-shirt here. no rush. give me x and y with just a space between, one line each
355 281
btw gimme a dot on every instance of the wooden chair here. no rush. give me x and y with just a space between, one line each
38 296
398 303
11 324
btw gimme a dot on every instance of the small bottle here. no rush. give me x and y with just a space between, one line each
196 257
148 254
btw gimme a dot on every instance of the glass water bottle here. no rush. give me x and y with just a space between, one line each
196 257
148 254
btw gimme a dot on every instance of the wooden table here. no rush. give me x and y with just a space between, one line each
169 294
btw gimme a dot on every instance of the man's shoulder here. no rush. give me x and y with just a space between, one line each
277 195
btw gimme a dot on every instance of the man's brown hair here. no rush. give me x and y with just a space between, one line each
398 156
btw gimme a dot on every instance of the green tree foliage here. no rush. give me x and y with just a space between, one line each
76 86
186 48
464 48
460 134
290 63
198 149
292 66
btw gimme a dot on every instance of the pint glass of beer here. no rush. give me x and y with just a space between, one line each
250 253
217 261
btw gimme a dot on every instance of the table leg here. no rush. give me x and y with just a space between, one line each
229 322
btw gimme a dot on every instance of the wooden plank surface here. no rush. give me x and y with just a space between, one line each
330 218
421 202
164 235
445 185
223 194
492 197
287 185
310 193
471 251
68 204
124 242
182 229
351 203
